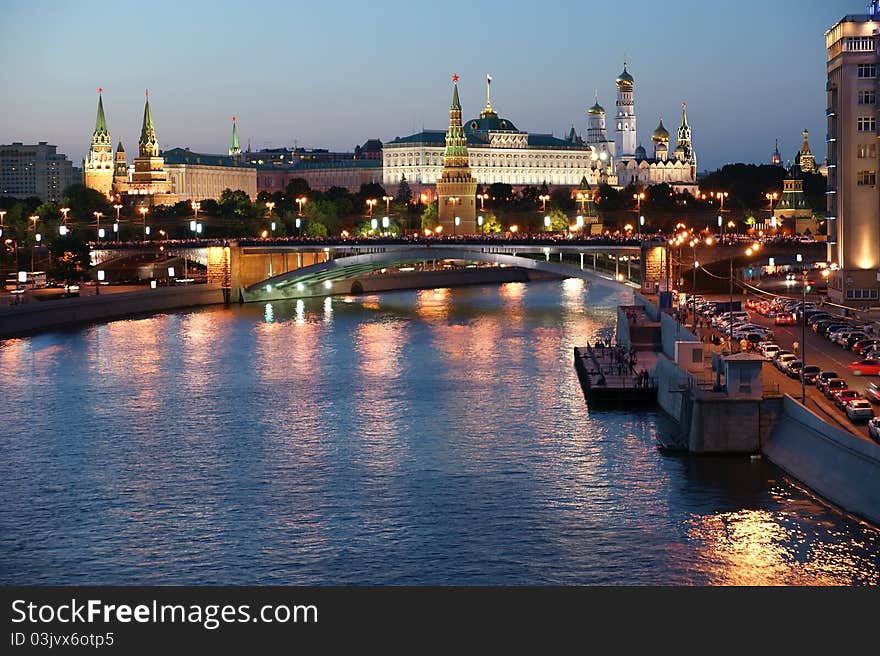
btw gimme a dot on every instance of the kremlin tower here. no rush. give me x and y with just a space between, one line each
149 176
625 133
98 164
457 188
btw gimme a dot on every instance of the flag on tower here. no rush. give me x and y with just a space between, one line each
488 79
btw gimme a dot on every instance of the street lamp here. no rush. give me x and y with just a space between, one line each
482 198
771 197
63 210
98 216
800 259
546 223
387 200
117 207
639 197
143 211
480 222
370 203
641 225
720 195
582 198
543 198
300 201
35 218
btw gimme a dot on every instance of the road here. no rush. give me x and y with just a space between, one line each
819 351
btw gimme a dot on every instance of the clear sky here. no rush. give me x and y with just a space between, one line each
332 74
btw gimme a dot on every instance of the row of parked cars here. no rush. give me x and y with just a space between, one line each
844 333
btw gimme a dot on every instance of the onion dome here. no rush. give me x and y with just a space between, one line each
641 153
661 133
624 79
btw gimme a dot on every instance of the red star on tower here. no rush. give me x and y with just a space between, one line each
455 77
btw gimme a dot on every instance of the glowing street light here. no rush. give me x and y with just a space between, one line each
771 197
117 207
300 201
387 200
482 198
143 211
546 222
639 197
63 210
370 203
543 198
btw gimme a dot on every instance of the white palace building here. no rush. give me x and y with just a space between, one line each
499 152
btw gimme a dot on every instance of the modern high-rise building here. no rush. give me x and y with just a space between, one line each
853 196
34 170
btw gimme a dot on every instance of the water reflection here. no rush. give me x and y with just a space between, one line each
435 436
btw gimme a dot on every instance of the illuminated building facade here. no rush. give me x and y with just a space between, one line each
853 196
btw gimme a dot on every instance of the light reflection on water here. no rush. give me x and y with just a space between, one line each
434 436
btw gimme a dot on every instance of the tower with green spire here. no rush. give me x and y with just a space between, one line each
150 177
98 164
120 169
234 148
456 188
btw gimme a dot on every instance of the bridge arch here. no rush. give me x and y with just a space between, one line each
317 279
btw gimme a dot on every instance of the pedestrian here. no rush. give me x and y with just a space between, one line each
795 347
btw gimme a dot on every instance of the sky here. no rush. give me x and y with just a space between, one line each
333 74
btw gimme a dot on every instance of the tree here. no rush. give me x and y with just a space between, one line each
404 193
83 202
558 220
297 187
371 190
562 199
315 229
609 198
501 191
70 258
430 216
491 223
335 193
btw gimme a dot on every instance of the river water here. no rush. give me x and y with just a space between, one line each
415 437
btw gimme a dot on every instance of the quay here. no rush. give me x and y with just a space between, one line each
726 403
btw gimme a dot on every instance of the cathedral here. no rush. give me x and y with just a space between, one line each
632 164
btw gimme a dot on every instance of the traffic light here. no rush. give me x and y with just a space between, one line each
808 285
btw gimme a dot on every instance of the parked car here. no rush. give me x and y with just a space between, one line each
793 368
844 396
859 410
823 378
810 373
852 338
769 350
834 385
866 345
874 428
868 367
783 360
872 392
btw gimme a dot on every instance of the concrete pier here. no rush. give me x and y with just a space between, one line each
610 375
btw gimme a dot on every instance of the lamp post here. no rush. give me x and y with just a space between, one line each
98 216
388 200
116 229
771 197
35 218
299 202
63 210
143 211
581 198
370 203
800 259
639 197
720 195
543 198
641 225
482 198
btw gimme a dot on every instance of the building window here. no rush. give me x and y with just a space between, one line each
867 178
867 97
867 70
867 151
866 124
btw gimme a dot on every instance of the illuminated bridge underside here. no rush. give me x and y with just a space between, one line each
310 280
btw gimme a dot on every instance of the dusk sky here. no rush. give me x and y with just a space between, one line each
333 74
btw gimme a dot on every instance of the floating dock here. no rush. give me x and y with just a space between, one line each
608 376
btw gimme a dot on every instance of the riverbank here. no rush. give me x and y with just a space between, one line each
36 316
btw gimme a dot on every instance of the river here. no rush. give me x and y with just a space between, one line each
414 437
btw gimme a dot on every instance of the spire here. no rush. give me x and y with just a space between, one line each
234 148
456 154
777 157
488 112
119 148
149 144
100 121
684 115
